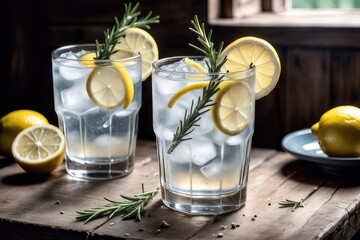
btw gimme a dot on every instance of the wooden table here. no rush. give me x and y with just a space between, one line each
45 207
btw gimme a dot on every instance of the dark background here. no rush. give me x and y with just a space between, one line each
320 69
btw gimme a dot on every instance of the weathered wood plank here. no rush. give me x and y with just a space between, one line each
326 211
331 212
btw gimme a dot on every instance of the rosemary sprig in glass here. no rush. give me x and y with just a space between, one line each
192 116
130 19
131 207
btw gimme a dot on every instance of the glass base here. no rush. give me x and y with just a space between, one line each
204 205
98 170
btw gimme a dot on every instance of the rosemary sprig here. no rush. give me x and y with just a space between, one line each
296 204
131 18
132 207
192 116
291 203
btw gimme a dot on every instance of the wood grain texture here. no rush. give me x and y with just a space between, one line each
28 204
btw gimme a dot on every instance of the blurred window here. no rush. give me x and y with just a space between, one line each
324 4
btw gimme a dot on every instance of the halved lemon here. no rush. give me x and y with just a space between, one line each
248 52
110 87
39 149
139 40
233 110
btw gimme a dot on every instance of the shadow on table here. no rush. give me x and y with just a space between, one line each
24 179
311 173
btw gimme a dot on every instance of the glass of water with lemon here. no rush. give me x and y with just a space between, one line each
204 140
97 93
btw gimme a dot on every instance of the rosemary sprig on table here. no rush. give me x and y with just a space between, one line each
130 19
131 207
291 203
192 116
296 204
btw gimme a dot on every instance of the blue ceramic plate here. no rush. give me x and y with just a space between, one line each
303 145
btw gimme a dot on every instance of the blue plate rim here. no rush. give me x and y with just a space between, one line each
318 159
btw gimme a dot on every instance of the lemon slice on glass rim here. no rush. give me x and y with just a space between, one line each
39 149
139 41
248 52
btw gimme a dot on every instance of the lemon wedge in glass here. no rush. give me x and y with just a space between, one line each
110 87
233 110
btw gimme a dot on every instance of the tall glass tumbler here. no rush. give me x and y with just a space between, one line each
207 173
100 142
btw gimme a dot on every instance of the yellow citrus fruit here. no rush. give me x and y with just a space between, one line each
13 123
338 131
197 67
139 41
39 149
88 59
232 111
233 108
248 52
184 90
110 87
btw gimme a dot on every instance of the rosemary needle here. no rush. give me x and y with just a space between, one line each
130 19
130 207
191 117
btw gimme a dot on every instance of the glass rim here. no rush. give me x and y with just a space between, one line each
158 63
66 48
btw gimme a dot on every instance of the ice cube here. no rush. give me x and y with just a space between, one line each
212 170
76 99
202 151
181 153
164 133
71 70
216 136
166 87
234 140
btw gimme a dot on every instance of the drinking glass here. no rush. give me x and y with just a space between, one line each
100 143
207 173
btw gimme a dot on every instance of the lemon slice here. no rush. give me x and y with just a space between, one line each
138 40
184 90
197 67
252 51
233 110
110 87
88 59
39 149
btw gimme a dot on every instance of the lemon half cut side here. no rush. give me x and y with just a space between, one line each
39 149
110 87
248 52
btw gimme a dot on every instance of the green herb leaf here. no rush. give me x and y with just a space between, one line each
130 19
191 117
131 208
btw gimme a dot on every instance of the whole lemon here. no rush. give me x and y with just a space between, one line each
338 131
13 123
